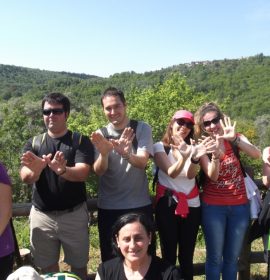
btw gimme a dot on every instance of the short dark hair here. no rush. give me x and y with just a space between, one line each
112 91
57 98
130 218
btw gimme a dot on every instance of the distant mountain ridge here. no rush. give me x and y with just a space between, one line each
15 81
245 82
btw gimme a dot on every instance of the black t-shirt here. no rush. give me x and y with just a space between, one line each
53 192
158 270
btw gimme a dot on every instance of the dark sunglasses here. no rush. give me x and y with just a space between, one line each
57 111
182 122
213 121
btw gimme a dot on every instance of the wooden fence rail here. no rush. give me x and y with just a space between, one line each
23 209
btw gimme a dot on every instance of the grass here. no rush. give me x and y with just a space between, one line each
258 271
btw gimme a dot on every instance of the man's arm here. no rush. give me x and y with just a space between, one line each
138 160
77 173
104 147
32 167
101 164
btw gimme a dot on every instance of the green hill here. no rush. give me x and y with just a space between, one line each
243 84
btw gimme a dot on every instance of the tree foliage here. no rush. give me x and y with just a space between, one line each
157 105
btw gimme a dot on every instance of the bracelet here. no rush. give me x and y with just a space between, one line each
126 156
237 140
215 159
63 172
194 161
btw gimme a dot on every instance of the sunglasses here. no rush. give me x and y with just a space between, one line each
213 121
58 111
182 122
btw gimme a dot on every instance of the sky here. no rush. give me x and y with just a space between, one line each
105 37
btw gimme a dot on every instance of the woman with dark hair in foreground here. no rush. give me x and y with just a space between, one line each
133 236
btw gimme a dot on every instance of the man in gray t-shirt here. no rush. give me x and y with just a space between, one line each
123 185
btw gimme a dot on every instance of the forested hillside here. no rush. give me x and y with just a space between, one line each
240 86
243 83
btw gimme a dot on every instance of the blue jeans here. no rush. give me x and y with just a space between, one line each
224 229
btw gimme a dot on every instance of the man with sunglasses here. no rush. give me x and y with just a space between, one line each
57 169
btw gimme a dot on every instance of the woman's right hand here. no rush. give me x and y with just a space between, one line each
180 148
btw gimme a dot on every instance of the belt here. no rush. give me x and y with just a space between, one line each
61 212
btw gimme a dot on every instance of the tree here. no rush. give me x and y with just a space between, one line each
157 104
15 129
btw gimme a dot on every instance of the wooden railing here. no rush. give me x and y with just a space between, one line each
249 257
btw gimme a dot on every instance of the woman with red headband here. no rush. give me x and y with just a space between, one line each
177 199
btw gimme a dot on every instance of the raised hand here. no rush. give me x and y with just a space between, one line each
123 145
228 129
181 146
33 162
205 146
103 145
58 163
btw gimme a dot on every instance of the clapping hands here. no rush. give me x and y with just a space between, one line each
122 146
205 146
180 147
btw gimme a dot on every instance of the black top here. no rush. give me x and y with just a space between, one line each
158 270
52 192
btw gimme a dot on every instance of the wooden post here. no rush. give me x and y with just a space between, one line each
26 256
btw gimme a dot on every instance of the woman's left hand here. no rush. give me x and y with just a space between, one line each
228 129
205 146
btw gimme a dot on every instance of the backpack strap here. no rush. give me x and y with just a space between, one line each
237 154
133 124
155 179
39 139
105 132
76 140
37 142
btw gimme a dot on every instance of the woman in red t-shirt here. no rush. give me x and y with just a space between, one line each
225 207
